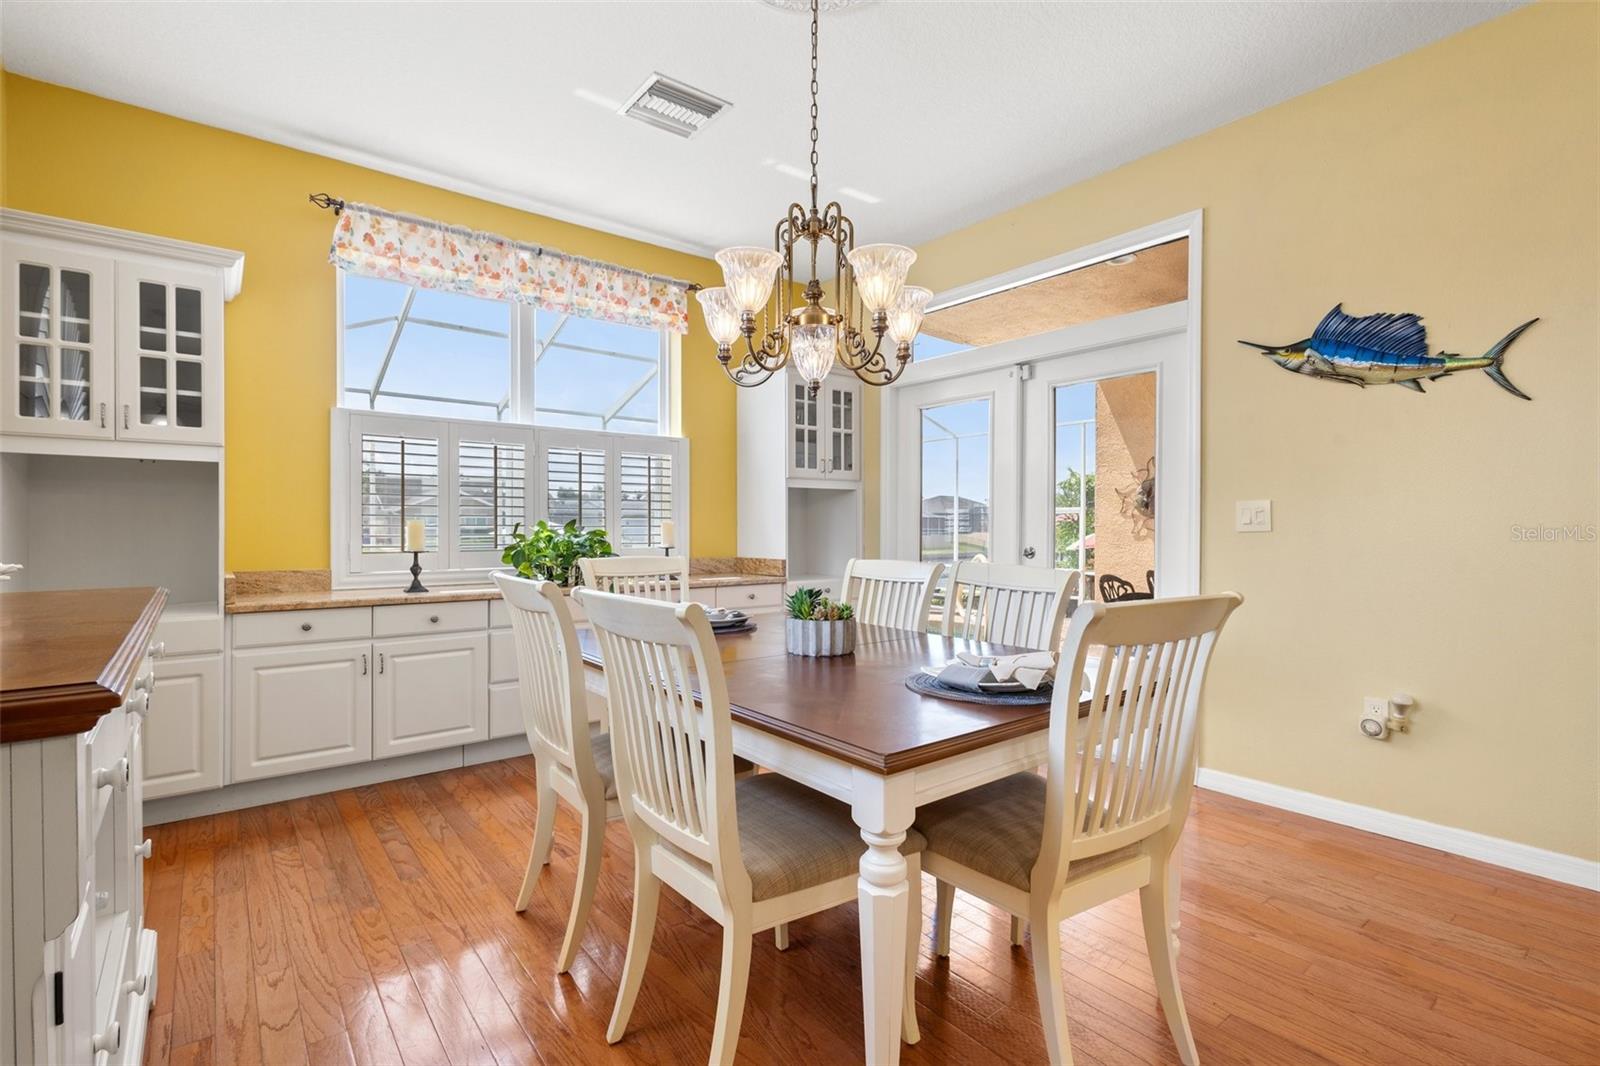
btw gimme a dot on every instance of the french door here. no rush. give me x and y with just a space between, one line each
1051 458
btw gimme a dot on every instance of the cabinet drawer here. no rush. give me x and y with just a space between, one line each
191 635
420 619
502 656
302 627
750 597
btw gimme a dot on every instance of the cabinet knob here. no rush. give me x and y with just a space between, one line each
116 776
750 595
145 850
139 703
305 627
138 986
158 650
108 1041
142 683
433 618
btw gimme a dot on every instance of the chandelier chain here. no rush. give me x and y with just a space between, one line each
813 106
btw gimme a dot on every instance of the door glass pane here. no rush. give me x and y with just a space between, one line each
33 300
75 402
33 361
75 365
33 399
75 306
187 311
1104 463
955 481
188 410
152 316
188 379
152 373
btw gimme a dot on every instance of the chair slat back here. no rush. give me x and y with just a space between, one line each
646 576
1021 605
1124 770
890 592
674 761
549 671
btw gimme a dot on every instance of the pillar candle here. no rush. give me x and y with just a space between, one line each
414 535
669 533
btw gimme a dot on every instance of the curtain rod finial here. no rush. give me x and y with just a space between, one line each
324 201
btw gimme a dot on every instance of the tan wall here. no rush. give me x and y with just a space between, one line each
1124 440
1460 182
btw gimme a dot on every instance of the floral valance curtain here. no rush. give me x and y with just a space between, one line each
380 244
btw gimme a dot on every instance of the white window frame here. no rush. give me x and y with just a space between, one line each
518 407
450 565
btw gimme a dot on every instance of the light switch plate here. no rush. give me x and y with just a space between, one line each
1252 516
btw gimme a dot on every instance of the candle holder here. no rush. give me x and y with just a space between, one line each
416 574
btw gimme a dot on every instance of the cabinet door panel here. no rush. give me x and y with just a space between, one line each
302 708
58 342
183 728
505 710
430 692
844 429
169 354
806 430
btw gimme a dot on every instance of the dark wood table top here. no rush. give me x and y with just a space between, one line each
66 658
857 707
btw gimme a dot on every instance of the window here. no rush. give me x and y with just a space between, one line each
955 481
472 483
421 351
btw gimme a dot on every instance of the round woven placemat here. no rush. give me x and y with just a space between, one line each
928 685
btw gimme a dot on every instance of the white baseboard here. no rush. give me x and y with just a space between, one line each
1568 869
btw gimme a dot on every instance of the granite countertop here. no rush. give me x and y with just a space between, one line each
308 590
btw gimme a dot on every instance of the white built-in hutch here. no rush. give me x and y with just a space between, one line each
799 469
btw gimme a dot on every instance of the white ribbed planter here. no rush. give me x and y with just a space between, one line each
818 639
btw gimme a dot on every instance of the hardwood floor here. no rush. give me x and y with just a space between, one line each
376 926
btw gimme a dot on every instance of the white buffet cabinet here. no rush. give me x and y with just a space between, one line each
326 698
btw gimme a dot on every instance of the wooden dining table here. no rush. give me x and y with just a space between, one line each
848 727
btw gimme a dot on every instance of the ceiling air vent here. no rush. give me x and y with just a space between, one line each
672 106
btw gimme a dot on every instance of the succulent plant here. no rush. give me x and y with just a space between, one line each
810 605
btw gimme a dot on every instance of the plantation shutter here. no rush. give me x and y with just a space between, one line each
645 482
399 483
575 486
490 500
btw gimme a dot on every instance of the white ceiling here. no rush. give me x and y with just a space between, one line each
946 112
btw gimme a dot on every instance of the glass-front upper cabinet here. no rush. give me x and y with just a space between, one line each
844 427
169 360
805 430
58 341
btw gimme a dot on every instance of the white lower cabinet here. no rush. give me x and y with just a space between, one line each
301 708
430 692
183 729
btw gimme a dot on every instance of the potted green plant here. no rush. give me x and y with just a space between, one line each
817 626
551 553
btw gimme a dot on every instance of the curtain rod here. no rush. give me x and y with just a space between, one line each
336 205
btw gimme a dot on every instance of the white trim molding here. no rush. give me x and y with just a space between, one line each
127 242
1524 858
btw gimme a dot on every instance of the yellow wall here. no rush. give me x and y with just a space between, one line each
79 156
1460 182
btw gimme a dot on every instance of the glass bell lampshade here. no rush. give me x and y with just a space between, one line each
905 317
748 273
812 349
880 271
722 318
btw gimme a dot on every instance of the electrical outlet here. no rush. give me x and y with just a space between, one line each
1252 516
1375 717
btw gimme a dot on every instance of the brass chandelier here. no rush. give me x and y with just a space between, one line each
872 295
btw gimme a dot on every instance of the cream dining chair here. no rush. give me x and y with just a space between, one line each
1025 606
1107 817
890 592
751 853
572 758
652 577
1021 605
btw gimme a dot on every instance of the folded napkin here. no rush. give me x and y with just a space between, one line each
1031 670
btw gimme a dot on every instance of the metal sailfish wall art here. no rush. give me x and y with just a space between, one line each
1384 349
